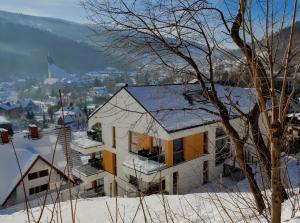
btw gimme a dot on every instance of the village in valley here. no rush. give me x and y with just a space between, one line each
158 132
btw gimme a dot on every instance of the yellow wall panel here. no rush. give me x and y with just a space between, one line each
169 153
193 146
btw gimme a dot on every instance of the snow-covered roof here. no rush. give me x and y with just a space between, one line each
179 106
9 171
25 102
120 84
69 111
27 151
8 106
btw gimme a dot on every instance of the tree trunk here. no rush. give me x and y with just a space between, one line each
275 180
247 171
262 150
239 150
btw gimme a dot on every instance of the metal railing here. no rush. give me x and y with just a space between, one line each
146 165
89 169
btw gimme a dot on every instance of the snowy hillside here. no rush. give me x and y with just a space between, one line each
200 207
207 205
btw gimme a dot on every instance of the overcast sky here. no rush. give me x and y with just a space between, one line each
64 9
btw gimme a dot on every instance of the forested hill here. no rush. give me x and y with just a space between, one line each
25 42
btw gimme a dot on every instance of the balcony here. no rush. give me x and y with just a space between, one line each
86 144
90 171
142 164
92 192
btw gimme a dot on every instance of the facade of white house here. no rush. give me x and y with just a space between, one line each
37 182
32 163
158 138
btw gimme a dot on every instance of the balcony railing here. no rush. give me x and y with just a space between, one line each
89 169
144 164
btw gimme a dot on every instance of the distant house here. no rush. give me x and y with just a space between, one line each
49 100
9 108
41 171
73 118
90 108
98 91
120 85
29 105
5 124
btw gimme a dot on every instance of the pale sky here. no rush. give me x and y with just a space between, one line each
71 9
63 9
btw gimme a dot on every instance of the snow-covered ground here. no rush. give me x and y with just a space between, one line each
205 205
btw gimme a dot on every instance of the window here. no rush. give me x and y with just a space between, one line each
32 176
175 183
133 180
220 132
43 187
38 189
205 172
163 185
178 151
96 132
129 140
222 146
114 137
205 143
35 175
31 191
44 173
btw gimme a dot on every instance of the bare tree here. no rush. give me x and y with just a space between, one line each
187 36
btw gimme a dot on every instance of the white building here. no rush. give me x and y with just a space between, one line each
158 138
30 165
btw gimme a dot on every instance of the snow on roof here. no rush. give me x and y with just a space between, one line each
27 151
292 115
69 111
25 102
120 84
8 106
9 171
3 120
179 106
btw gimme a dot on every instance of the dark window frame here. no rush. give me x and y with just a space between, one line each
31 191
32 176
178 151
113 137
44 173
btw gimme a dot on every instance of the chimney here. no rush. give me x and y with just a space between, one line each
33 131
4 136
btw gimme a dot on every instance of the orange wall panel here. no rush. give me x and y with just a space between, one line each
193 146
109 161
144 141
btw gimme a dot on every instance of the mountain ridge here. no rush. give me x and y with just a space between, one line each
25 42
